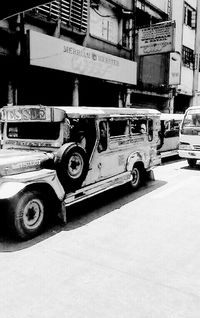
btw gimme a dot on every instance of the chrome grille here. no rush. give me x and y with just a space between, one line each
196 147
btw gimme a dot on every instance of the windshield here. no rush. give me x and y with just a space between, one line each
191 123
192 119
34 130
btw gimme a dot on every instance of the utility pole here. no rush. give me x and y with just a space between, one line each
196 93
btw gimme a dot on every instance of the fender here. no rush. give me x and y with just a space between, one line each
12 185
133 158
60 152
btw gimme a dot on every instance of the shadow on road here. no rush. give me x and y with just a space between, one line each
81 214
195 168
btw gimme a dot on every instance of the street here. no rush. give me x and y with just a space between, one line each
122 254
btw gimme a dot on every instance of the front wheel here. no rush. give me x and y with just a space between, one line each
137 177
27 214
191 162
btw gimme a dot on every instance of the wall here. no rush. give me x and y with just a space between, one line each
126 3
186 81
192 3
162 5
188 37
177 15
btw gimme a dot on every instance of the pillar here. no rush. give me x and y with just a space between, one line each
171 105
11 93
120 99
75 93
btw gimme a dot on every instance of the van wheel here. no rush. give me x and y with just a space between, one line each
72 168
191 162
137 177
27 214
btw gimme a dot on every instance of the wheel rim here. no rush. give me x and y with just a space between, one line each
33 214
135 175
75 166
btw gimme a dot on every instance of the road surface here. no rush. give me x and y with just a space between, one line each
123 254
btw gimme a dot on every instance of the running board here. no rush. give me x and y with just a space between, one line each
96 188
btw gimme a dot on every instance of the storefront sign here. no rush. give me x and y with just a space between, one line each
50 52
156 39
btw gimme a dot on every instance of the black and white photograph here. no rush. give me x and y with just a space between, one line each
100 159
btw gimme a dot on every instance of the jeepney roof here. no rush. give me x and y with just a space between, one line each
84 111
193 108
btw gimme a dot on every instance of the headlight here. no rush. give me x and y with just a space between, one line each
184 146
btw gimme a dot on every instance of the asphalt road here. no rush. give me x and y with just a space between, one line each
121 254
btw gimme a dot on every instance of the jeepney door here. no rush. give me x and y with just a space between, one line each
113 147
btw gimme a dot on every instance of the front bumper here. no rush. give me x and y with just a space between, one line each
189 154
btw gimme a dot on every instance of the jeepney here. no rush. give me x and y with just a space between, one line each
57 156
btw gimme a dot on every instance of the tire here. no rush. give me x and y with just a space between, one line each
191 162
72 168
27 214
161 140
137 174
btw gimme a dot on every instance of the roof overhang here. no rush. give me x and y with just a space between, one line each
9 8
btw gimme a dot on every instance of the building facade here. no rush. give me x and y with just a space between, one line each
86 52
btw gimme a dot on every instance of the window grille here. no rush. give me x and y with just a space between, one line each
72 13
127 29
189 16
188 57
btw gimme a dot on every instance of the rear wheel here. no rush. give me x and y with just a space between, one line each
27 214
137 176
191 162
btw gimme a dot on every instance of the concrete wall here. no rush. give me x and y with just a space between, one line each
186 80
126 3
162 5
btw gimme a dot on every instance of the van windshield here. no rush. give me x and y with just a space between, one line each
192 119
191 123
33 130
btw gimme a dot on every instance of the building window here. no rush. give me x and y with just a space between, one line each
189 16
188 57
127 33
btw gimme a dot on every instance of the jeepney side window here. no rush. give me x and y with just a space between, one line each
150 129
103 136
118 128
138 126
171 130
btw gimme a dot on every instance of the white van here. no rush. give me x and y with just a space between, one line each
189 146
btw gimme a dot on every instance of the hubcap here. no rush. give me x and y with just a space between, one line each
33 214
135 175
75 166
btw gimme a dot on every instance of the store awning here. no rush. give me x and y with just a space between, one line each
9 8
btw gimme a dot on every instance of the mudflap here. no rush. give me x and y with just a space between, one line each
150 175
62 214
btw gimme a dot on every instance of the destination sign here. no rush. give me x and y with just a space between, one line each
25 114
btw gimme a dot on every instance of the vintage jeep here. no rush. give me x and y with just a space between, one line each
55 156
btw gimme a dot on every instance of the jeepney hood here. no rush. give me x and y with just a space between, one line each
19 161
